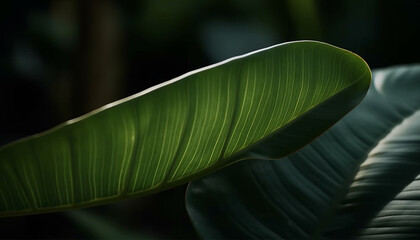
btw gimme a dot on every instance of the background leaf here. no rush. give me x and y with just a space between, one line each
100 227
298 197
184 128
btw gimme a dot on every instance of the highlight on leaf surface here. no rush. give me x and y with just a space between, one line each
265 104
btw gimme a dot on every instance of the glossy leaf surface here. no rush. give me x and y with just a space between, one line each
358 180
184 128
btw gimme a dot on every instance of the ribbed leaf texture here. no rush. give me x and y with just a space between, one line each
184 128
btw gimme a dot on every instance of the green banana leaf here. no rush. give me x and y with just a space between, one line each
361 179
184 128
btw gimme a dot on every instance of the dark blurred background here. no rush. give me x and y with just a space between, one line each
63 58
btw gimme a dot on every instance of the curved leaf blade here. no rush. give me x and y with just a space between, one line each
297 197
393 167
183 128
385 177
